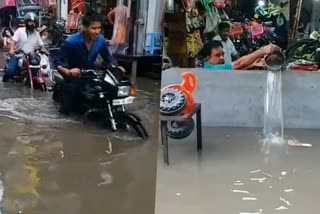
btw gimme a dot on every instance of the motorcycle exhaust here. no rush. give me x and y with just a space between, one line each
275 61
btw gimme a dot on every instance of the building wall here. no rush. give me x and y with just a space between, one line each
154 16
236 98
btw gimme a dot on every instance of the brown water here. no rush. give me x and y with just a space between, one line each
232 176
52 164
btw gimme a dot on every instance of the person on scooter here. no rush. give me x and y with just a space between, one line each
214 57
25 39
230 52
80 51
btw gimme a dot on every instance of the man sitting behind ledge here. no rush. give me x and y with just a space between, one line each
214 57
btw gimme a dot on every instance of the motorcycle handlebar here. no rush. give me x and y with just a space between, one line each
114 70
19 52
87 71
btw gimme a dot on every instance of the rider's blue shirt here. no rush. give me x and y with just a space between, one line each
75 54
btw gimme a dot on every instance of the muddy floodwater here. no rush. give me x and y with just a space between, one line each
53 164
232 176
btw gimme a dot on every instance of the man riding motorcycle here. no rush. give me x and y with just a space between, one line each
80 51
25 39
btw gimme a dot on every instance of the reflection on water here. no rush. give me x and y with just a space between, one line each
52 164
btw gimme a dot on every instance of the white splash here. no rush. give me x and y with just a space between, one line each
281 208
273 112
285 201
249 198
240 191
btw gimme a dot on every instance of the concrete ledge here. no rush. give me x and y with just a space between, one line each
236 98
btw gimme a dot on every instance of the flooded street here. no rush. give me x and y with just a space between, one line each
232 176
55 164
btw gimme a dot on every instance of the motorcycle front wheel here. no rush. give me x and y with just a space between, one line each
131 122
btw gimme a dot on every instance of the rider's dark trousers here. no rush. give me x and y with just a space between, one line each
71 99
12 67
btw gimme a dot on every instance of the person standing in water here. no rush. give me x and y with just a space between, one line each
119 17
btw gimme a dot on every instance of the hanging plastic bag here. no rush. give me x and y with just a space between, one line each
212 20
206 4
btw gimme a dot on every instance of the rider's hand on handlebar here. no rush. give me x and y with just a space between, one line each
74 72
122 69
11 52
45 51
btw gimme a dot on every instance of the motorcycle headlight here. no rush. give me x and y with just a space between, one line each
123 91
34 59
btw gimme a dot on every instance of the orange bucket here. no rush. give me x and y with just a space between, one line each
187 87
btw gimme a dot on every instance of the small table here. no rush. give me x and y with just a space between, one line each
164 122
134 62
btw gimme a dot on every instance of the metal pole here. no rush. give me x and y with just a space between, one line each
135 29
297 19
58 9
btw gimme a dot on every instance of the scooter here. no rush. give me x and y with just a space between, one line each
105 94
30 70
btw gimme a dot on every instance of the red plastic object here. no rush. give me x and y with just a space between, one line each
80 4
297 67
72 21
187 86
236 30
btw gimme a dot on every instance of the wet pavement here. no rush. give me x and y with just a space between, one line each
232 176
56 164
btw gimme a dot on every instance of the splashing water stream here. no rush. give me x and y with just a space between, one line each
273 113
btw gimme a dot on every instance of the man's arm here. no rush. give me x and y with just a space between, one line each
61 61
111 16
15 39
40 43
247 60
105 54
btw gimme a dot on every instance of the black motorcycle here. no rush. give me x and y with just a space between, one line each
105 94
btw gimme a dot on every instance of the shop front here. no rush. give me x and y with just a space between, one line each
304 36
131 27
251 25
